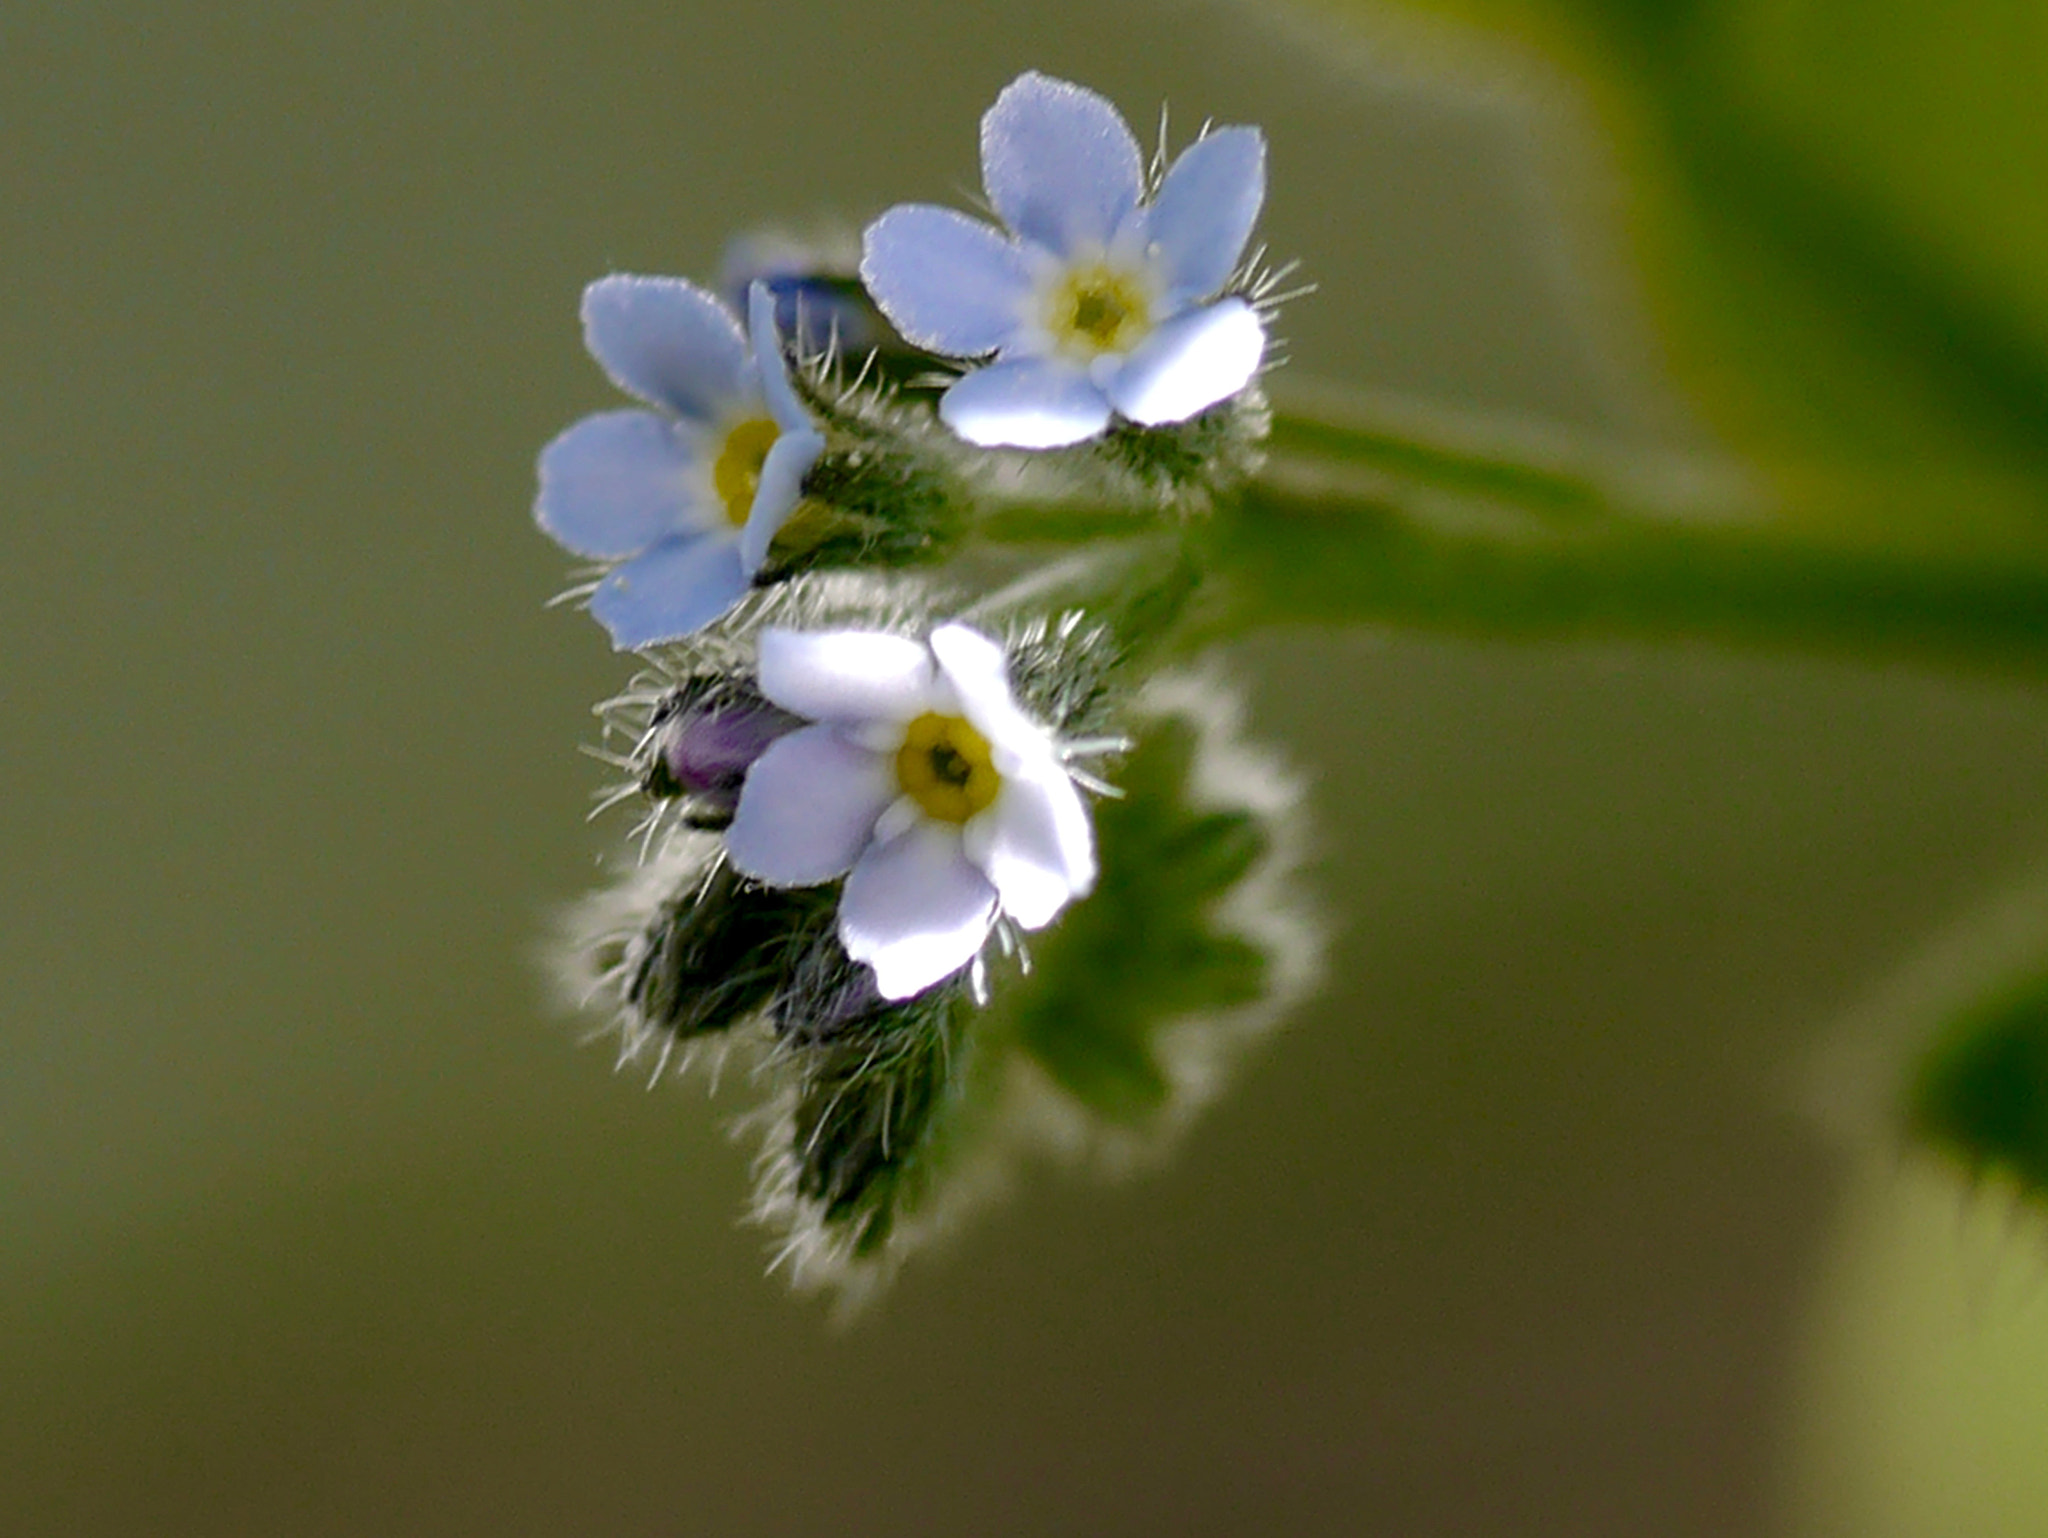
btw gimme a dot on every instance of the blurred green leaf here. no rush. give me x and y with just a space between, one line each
1926 122
1140 952
1840 211
1982 1093
1892 154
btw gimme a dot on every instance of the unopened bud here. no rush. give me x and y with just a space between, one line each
704 737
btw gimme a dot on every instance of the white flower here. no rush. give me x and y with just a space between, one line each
1096 302
921 782
685 498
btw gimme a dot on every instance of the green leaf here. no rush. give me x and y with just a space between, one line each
1927 120
1839 209
1141 950
1982 1094
1889 156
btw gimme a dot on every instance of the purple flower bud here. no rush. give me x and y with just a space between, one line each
828 996
701 743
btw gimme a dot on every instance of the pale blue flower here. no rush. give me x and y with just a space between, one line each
1094 302
921 782
687 497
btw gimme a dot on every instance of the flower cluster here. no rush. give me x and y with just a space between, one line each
902 552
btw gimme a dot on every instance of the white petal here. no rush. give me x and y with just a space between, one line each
845 675
673 588
1025 403
1190 363
980 678
1035 842
915 910
775 498
1205 211
808 808
970 660
616 482
1058 163
770 364
668 342
949 283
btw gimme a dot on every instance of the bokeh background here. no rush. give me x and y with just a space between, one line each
1540 1220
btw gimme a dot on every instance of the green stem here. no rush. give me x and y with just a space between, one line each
1330 534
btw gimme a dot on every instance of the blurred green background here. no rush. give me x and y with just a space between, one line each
318 1223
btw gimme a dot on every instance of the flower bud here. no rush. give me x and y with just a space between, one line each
712 953
704 737
827 995
820 303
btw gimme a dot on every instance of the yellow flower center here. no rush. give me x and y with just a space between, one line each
1097 309
736 474
944 767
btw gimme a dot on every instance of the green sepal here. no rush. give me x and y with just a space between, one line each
870 1101
717 951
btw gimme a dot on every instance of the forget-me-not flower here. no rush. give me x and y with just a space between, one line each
1095 302
924 784
685 498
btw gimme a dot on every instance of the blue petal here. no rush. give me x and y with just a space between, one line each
974 668
852 677
668 342
615 483
1205 211
1190 363
1035 843
915 910
808 808
775 498
1025 403
770 363
1059 164
677 587
949 283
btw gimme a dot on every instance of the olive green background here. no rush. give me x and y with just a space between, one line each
317 1222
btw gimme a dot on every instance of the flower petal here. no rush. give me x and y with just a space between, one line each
775 498
1059 164
808 808
614 483
845 675
1026 403
1205 211
979 674
915 910
949 283
670 590
972 662
668 342
1190 363
771 365
1035 843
